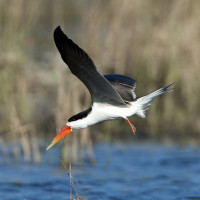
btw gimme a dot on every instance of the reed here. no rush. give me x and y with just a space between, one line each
155 42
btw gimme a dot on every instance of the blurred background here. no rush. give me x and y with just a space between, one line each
154 42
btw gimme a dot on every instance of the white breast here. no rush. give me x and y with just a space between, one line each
101 112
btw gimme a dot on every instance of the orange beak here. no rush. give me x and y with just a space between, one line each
64 131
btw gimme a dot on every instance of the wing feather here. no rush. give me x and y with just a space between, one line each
124 85
82 66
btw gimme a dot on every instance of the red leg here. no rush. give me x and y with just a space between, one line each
131 125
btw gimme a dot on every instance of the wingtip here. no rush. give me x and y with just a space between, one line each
59 35
58 28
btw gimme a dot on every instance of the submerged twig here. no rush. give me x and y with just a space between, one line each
71 178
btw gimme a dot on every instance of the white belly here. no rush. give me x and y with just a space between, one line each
101 112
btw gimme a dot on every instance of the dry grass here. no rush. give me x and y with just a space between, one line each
155 42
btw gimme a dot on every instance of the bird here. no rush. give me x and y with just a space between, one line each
112 95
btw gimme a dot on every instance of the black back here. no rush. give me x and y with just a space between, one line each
124 85
83 68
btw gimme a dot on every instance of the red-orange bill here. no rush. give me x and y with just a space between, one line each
64 131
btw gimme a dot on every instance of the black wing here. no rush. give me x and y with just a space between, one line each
82 66
124 85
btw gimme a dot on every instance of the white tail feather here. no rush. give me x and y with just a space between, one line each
145 102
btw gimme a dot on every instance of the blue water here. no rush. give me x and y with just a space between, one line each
121 172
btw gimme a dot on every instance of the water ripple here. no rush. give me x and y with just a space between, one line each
121 172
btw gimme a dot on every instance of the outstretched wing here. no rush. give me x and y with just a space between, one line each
124 85
82 66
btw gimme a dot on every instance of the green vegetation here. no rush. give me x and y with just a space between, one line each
155 42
